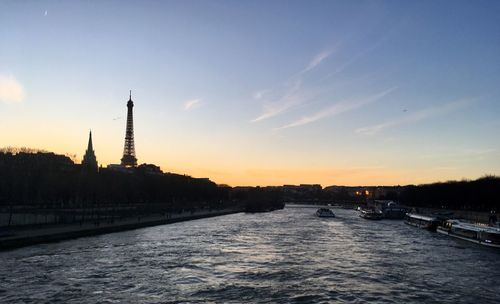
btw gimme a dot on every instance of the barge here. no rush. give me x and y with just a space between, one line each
422 221
479 234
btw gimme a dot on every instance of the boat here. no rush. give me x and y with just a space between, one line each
394 211
370 214
325 212
422 221
476 233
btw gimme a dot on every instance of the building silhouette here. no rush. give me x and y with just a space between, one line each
129 159
89 161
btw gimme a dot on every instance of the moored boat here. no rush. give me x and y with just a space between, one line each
422 221
394 211
371 214
480 234
325 212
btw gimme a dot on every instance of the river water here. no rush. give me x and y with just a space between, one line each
287 256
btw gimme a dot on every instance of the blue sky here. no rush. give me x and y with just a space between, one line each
260 92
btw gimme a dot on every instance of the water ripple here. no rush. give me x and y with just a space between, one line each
287 256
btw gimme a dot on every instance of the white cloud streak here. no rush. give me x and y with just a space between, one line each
357 56
11 91
336 109
416 117
317 60
291 98
294 94
192 104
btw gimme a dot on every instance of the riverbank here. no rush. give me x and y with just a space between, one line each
26 236
472 216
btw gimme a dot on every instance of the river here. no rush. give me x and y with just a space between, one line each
286 256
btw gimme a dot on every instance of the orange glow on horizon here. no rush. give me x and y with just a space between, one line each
232 168
252 176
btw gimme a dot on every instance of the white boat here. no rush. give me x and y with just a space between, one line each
422 221
480 234
324 212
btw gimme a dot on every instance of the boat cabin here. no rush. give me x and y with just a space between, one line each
422 221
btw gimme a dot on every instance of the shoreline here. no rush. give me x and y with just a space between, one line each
470 215
39 235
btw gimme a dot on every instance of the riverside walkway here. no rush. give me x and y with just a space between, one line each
25 236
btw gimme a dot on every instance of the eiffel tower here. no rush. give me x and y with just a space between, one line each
129 159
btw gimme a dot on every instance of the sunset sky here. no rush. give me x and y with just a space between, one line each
260 92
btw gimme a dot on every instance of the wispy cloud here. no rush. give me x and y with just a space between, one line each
317 60
192 104
11 91
293 95
338 108
291 98
417 116
260 94
459 155
360 54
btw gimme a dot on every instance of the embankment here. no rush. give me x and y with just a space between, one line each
473 216
27 236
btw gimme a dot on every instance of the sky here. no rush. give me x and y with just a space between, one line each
260 92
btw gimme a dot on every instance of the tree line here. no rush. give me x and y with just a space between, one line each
40 180
478 195
481 194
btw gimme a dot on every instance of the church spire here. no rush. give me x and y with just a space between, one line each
89 161
89 146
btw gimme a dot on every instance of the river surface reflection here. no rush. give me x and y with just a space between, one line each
287 256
